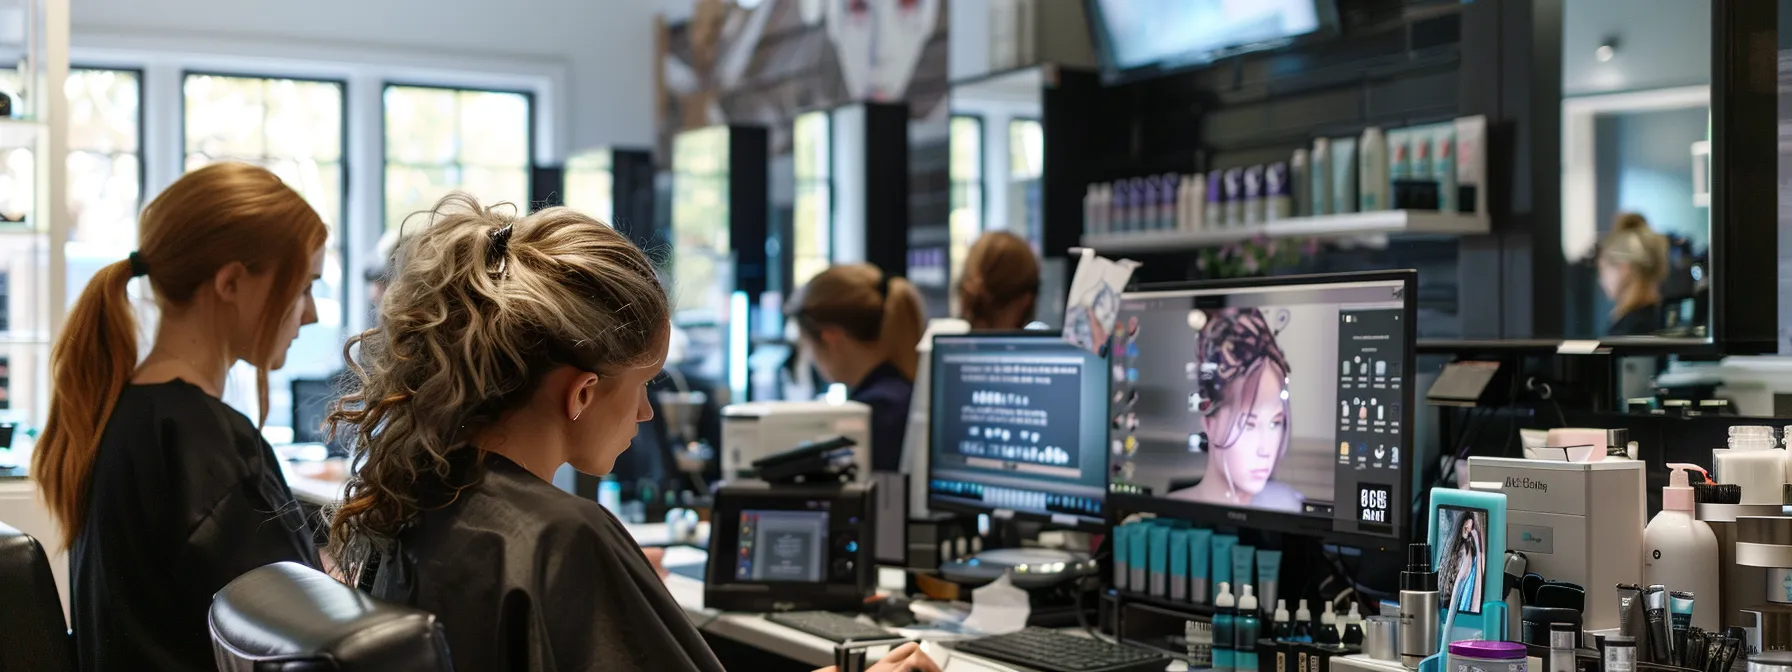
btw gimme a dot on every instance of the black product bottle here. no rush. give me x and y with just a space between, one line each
1303 624
1328 627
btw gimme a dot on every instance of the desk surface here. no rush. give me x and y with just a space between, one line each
321 484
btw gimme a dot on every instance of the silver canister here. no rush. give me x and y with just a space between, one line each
1418 627
1770 661
1381 638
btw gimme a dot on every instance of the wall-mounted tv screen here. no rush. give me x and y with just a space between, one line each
1139 38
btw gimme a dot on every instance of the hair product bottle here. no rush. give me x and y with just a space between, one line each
1679 550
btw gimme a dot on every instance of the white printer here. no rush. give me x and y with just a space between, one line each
756 429
1580 522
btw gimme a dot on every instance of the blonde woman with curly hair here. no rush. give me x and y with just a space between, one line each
506 347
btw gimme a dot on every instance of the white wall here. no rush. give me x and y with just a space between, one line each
604 47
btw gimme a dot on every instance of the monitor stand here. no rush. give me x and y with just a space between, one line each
1030 567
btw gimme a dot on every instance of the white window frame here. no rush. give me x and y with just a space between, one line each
164 60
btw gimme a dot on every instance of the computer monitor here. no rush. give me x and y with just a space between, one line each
1283 404
1018 427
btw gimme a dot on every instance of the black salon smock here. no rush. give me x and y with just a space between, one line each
887 392
1643 321
185 497
525 577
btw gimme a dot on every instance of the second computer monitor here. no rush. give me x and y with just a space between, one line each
1018 424
1275 404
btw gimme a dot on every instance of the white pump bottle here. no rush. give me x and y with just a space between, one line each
1680 551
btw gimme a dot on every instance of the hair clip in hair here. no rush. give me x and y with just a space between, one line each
500 247
138 267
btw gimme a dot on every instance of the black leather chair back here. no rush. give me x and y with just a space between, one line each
287 617
37 638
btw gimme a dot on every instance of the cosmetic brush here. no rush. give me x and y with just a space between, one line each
1717 493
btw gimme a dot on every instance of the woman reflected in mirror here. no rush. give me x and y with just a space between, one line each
1633 262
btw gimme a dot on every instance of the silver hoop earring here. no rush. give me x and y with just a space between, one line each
575 416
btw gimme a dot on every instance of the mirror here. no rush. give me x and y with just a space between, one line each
997 159
1636 131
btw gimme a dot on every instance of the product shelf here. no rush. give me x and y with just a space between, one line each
1349 225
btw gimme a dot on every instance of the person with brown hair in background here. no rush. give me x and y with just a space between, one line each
861 328
1000 287
164 493
1633 262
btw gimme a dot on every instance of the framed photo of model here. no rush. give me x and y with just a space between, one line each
1281 403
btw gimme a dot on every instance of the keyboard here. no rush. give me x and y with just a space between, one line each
1054 651
831 626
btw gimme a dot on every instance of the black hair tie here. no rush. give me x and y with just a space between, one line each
138 267
883 287
500 247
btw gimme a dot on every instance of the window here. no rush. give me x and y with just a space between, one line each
1026 170
588 186
105 169
439 140
295 129
964 170
813 219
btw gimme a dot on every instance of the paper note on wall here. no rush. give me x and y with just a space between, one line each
1094 300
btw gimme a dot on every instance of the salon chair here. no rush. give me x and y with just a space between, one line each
37 638
286 617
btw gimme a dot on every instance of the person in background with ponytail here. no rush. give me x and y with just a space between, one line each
861 328
163 492
1633 262
506 347
1000 287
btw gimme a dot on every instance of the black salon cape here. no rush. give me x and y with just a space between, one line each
525 577
185 497
887 392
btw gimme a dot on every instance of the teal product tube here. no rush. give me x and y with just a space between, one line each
1680 613
1135 580
1122 554
1179 565
1200 548
1222 557
1269 569
1158 563
1244 563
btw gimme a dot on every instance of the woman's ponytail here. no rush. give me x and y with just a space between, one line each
903 322
92 360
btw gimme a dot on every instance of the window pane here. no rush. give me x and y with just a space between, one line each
103 110
226 116
810 145
497 185
420 125
439 140
588 185
966 147
494 129
294 129
104 191
413 190
304 119
1026 149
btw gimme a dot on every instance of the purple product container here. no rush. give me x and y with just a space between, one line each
1486 656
